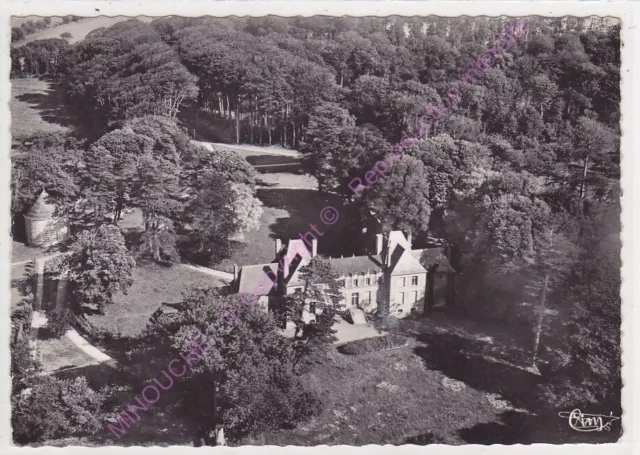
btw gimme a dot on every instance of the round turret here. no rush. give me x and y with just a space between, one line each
43 227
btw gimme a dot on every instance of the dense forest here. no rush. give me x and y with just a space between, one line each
520 179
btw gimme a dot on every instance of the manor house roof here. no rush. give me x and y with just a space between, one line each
254 279
355 264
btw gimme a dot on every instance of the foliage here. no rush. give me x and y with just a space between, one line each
159 241
321 294
111 167
401 200
321 137
21 315
59 321
126 71
211 219
45 162
137 165
50 408
245 381
246 208
226 163
39 58
585 361
23 365
369 345
99 266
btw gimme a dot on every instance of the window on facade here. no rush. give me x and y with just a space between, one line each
355 299
298 290
356 282
414 297
368 281
414 281
399 310
402 297
403 282
413 310
368 297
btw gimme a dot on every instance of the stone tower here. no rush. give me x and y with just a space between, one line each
43 227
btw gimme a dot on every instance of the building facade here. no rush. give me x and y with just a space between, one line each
410 280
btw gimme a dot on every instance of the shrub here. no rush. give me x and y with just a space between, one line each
51 408
59 321
368 345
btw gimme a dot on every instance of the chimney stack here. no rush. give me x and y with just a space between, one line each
314 248
378 244
278 246
409 240
235 276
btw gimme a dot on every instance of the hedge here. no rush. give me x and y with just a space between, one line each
368 345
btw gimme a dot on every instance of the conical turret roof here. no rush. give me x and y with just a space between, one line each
41 209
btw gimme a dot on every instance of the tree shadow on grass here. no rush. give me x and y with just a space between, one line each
97 375
462 360
423 439
305 208
51 106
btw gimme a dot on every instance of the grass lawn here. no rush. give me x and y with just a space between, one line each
58 353
385 398
247 150
78 29
21 252
287 179
34 105
153 284
287 213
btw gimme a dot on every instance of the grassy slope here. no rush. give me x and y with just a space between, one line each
58 353
287 213
78 29
31 99
357 412
153 284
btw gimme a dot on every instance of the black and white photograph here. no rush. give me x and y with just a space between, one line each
306 230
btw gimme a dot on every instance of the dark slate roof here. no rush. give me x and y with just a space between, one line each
356 264
433 256
255 280
41 209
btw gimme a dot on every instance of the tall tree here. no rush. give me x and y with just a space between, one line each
594 143
245 381
99 267
321 297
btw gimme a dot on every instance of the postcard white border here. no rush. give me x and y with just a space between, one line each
625 10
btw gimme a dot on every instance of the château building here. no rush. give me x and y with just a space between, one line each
411 280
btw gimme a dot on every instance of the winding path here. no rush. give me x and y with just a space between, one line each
88 348
226 276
